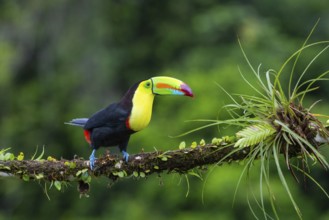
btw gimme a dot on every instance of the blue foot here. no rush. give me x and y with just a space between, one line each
125 155
92 159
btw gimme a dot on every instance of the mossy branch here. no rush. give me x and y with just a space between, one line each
139 165
112 166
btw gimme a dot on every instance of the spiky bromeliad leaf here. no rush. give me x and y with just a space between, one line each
253 135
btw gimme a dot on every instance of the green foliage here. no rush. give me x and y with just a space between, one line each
120 174
202 142
40 156
72 165
4 155
164 157
182 145
58 185
26 177
194 144
20 156
142 174
39 176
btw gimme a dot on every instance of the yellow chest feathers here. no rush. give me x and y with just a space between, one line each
141 112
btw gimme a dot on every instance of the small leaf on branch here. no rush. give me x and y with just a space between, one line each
216 141
182 145
39 176
50 158
20 156
142 174
58 185
81 172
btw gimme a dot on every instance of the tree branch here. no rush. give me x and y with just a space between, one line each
113 167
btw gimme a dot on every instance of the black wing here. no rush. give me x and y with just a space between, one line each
112 116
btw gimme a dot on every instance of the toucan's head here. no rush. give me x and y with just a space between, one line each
141 97
163 85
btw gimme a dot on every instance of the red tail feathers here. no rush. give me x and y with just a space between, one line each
87 135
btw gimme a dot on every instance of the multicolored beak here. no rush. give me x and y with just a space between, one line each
163 85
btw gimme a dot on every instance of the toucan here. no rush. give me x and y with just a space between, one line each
113 125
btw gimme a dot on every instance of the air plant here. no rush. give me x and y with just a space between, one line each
275 125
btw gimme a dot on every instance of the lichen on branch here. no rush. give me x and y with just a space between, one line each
113 167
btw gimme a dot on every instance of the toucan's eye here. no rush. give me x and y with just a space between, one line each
147 84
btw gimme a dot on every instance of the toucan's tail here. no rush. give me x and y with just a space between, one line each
77 122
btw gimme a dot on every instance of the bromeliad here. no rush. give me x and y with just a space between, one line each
113 125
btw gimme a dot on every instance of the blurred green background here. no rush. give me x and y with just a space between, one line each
65 59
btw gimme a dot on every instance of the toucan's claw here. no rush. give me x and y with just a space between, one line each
125 155
92 159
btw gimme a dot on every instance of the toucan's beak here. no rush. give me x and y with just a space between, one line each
163 85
